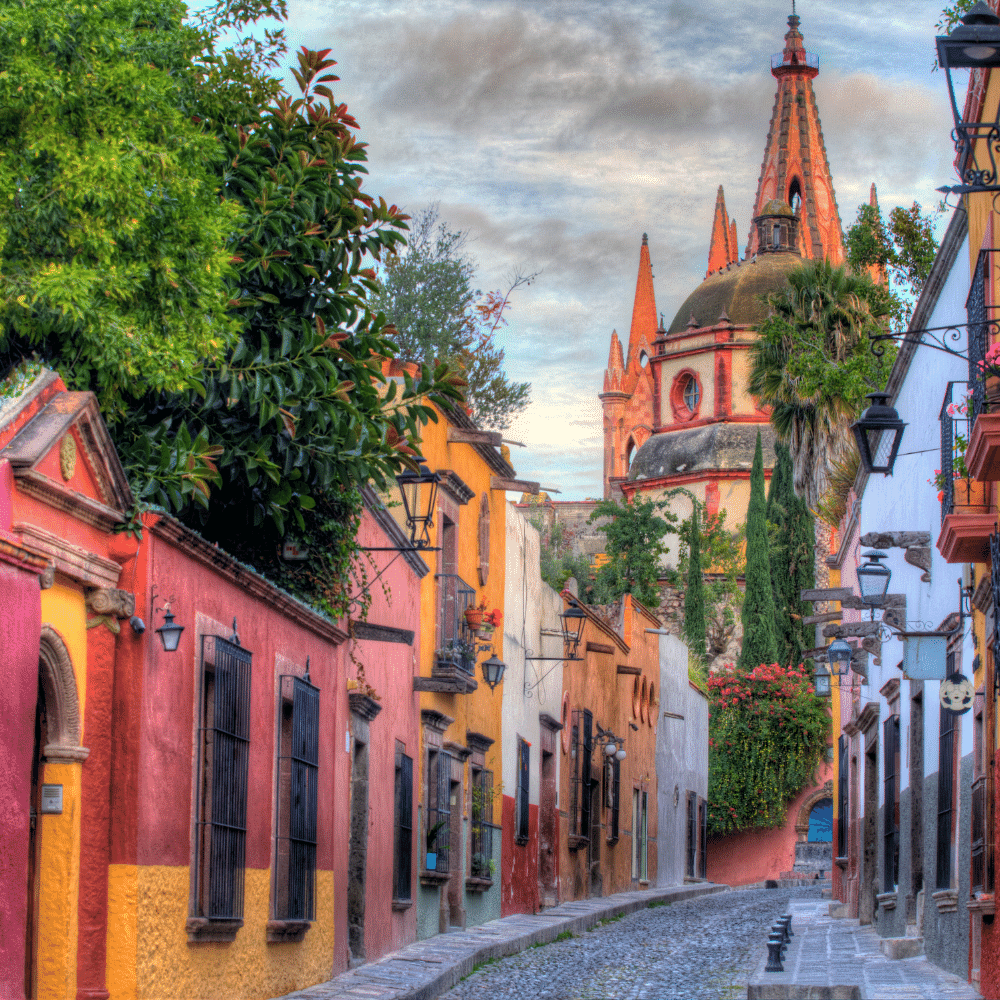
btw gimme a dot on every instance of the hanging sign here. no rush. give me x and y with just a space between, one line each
957 693
924 655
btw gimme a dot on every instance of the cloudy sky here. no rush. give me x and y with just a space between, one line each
558 132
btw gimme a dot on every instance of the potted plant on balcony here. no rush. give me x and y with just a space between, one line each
966 491
491 622
474 616
990 370
432 835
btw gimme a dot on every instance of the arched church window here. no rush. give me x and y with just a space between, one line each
629 453
795 195
776 236
691 394
643 359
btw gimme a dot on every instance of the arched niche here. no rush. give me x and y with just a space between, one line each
58 680
813 799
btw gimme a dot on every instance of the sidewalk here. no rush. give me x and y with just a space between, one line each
832 959
426 969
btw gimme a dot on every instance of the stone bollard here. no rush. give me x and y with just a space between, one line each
774 945
778 931
787 918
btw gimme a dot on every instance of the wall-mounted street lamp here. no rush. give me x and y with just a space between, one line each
878 433
614 747
873 579
418 503
169 632
839 654
493 671
975 44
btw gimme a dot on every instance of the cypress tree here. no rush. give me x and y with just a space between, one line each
694 595
782 510
759 645
803 551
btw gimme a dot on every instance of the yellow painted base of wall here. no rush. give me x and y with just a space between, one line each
149 957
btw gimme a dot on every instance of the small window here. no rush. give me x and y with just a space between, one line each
403 848
295 817
946 795
521 826
691 395
776 236
438 838
612 781
795 196
692 834
481 831
702 838
643 359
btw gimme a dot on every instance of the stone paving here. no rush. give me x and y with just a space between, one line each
426 969
830 959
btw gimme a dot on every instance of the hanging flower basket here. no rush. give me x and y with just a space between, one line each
474 618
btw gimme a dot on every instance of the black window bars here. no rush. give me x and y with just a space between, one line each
457 642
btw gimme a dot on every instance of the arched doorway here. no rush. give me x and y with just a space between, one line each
814 833
821 822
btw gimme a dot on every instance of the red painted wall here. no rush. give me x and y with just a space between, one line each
20 625
519 863
989 956
389 668
755 855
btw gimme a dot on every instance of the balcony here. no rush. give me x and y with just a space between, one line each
453 670
967 515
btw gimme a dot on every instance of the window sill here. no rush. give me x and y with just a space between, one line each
434 878
611 840
286 931
202 929
521 841
399 905
477 883
887 900
644 882
946 900
575 841
983 903
841 863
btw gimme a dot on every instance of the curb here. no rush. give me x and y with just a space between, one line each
426 969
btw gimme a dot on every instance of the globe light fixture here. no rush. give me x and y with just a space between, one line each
873 579
975 44
610 749
878 432
620 753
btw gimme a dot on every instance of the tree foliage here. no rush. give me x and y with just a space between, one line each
428 295
767 734
558 562
812 365
759 645
791 552
903 250
636 531
694 592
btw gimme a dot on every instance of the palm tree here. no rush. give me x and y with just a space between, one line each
812 366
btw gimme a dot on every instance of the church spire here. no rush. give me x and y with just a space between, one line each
614 374
724 248
640 337
795 168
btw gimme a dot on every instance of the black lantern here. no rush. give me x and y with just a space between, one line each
839 653
975 44
418 504
878 432
873 579
821 680
169 633
572 628
493 670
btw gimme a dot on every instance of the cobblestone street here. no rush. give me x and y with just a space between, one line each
700 948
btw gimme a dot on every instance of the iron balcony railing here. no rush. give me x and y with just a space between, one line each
456 643
954 418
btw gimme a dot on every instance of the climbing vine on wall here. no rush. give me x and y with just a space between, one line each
767 733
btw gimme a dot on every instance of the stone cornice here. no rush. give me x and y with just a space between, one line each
204 552
41 487
455 486
71 560
478 741
868 717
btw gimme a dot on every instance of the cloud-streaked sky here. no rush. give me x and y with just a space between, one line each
558 132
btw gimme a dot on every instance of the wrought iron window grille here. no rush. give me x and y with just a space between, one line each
439 809
222 779
297 800
481 827
954 434
404 828
458 645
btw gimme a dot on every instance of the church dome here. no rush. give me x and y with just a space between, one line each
697 449
737 290
777 207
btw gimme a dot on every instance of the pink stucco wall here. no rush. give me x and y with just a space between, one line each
755 855
20 622
389 668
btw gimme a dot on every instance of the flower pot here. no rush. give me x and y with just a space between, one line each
432 861
474 618
970 496
486 631
993 391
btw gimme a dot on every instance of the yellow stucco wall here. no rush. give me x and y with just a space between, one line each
59 834
743 404
704 366
149 957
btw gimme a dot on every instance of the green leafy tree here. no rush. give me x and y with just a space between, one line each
791 552
811 364
759 644
903 250
636 533
558 561
428 295
694 592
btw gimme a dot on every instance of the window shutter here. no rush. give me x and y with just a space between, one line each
303 803
404 829
523 779
616 773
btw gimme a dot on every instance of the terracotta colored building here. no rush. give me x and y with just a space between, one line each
609 807
676 407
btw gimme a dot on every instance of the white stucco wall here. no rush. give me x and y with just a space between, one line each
530 688
681 757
